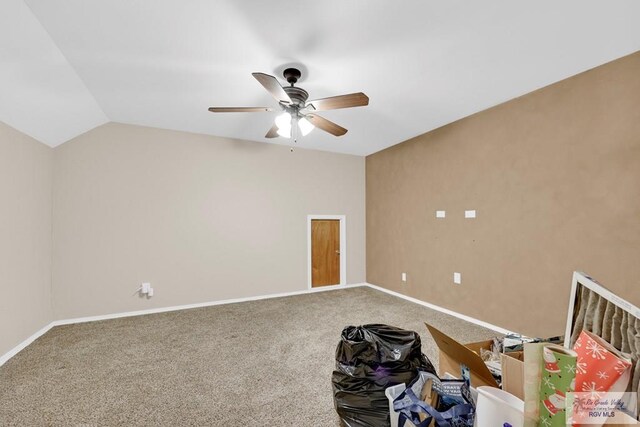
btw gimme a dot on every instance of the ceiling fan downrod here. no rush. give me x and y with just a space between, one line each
292 75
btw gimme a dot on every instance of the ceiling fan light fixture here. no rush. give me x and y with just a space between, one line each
283 121
305 126
284 132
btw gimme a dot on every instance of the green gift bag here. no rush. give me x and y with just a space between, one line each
558 373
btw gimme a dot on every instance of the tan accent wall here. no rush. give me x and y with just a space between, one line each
25 236
555 179
201 218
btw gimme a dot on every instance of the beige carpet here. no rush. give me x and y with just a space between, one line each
262 363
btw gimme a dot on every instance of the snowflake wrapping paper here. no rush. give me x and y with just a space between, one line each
600 368
557 378
599 365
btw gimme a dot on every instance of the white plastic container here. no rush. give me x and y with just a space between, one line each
496 407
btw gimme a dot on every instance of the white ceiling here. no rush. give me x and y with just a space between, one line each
75 64
40 92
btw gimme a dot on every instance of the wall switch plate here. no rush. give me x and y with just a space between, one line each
470 214
441 214
404 277
145 288
457 278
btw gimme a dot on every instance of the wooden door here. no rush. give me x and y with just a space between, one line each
325 252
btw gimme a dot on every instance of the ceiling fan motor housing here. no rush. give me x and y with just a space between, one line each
297 94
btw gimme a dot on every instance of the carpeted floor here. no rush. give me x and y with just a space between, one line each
262 363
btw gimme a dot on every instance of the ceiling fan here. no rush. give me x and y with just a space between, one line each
297 112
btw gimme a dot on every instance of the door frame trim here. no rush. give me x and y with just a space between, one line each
343 246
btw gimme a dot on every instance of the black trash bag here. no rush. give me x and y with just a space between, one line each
369 359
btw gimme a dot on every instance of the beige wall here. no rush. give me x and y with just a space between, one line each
202 218
25 236
555 179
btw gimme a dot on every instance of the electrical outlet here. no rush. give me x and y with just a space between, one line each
404 277
457 278
145 288
441 214
470 214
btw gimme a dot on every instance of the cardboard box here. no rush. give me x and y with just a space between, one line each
513 373
453 354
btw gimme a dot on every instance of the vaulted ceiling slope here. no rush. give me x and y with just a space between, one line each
40 92
71 65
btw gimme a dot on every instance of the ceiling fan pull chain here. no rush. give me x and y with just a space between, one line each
294 132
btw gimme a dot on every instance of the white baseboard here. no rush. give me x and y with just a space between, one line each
5 357
201 304
17 349
443 310
8 355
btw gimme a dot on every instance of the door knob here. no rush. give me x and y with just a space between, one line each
338 252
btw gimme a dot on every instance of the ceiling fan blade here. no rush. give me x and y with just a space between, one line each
272 86
239 109
341 101
326 125
273 132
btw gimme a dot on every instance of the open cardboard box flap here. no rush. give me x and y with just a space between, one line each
458 354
